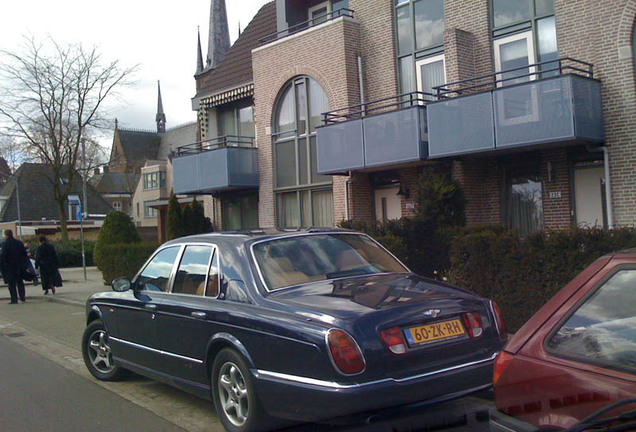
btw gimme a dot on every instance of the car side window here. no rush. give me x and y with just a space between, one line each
193 270
603 329
213 277
155 276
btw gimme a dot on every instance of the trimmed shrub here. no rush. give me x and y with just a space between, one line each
118 228
124 260
69 253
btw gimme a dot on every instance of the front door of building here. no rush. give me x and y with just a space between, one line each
388 204
589 195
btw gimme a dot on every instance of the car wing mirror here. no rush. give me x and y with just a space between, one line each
121 284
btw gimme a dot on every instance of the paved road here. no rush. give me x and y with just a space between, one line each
39 395
51 327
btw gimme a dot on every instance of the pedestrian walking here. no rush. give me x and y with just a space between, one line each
46 260
31 271
13 261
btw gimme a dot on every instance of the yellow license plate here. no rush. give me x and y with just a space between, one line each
434 332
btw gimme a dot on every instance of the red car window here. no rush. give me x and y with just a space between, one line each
603 329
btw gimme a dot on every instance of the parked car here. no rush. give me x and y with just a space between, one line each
575 356
301 326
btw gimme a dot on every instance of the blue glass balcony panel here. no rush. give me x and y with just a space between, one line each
216 170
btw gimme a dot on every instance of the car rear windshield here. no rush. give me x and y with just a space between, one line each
313 257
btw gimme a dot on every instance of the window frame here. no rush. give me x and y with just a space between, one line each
416 54
531 168
149 180
175 270
298 138
574 309
527 25
317 7
135 280
149 214
428 60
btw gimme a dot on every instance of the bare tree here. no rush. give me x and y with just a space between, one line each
52 96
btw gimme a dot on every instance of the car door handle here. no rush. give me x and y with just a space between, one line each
198 314
150 306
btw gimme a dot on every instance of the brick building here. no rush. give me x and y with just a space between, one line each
529 104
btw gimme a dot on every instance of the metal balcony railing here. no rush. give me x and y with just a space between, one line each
215 143
562 66
353 112
305 25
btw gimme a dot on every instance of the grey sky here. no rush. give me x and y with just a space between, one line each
159 35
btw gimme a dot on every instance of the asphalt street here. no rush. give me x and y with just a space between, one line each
45 385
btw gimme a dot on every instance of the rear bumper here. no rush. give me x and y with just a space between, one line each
306 399
500 422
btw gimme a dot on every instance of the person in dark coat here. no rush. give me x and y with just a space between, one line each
13 260
46 260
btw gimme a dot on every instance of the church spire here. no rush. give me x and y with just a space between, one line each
199 53
219 38
161 117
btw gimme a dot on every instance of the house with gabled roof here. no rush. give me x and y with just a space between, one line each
27 199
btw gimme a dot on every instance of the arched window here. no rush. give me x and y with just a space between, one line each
303 197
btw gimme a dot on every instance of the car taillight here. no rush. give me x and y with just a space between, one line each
499 321
501 363
345 352
473 324
394 340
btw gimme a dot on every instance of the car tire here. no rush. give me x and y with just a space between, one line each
234 394
97 355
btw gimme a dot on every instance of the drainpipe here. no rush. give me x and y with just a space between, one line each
362 98
347 198
608 189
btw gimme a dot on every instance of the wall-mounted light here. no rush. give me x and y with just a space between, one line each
403 191
549 169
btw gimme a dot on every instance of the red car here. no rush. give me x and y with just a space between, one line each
575 356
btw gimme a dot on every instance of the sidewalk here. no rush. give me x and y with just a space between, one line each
75 290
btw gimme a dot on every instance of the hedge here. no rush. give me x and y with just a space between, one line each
124 260
521 274
69 252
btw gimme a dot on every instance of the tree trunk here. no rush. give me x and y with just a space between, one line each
63 227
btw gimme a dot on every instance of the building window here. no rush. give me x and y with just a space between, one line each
523 210
236 121
117 205
303 197
149 212
240 213
154 180
420 44
524 34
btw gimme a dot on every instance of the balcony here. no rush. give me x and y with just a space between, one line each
380 134
302 26
220 164
557 103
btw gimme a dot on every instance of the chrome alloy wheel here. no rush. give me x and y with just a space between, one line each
233 394
99 351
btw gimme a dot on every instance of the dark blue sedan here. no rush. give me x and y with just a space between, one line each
300 326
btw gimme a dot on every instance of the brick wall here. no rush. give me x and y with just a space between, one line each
377 46
557 193
467 39
326 53
601 33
